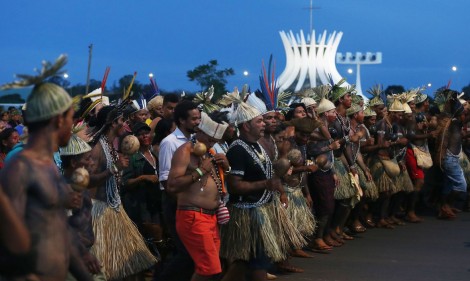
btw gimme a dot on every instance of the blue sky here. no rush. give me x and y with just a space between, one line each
420 39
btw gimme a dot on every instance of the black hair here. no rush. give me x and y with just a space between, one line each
290 113
4 135
174 98
162 129
182 111
279 128
219 116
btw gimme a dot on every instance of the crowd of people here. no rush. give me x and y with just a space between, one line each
176 188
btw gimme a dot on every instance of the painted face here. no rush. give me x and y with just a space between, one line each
12 140
144 137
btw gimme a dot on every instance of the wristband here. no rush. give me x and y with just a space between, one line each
199 172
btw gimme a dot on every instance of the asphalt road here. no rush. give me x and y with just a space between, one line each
435 250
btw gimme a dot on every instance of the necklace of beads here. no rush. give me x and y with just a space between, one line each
266 168
345 123
214 175
112 183
152 163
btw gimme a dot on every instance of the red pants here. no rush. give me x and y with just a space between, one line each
200 235
414 171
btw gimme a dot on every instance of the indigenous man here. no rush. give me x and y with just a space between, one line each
253 237
322 182
77 154
345 165
34 186
449 146
198 185
119 245
418 133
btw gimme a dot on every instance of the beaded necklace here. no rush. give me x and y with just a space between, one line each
345 123
112 183
265 166
214 175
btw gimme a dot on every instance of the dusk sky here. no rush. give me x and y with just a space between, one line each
420 39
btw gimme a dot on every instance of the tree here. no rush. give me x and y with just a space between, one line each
466 90
12 98
394 89
207 75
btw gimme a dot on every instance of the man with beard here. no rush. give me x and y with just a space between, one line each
187 118
35 187
197 182
254 237
119 245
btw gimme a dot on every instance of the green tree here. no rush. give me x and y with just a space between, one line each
12 98
207 75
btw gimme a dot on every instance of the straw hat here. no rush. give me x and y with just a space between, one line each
76 146
212 128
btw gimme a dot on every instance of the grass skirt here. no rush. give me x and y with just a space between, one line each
299 213
383 182
403 182
370 189
118 244
465 164
267 227
344 190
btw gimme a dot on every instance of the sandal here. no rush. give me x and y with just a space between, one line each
358 228
370 223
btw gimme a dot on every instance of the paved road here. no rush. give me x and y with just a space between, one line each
433 250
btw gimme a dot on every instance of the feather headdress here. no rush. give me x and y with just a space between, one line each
270 88
378 95
46 99
204 101
241 111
